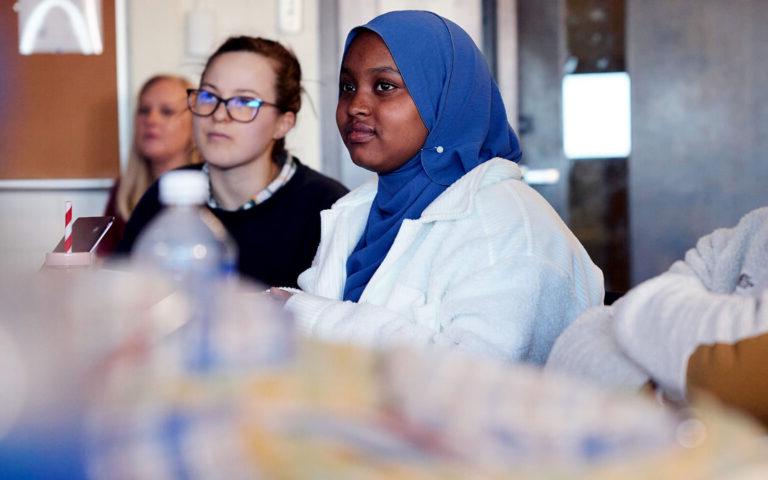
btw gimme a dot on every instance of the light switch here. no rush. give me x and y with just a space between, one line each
289 14
200 32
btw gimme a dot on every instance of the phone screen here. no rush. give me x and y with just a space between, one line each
87 232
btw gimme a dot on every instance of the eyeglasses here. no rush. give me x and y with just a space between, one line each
240 109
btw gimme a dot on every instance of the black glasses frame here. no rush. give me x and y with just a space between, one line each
192 95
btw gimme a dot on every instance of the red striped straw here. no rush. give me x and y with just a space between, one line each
68 227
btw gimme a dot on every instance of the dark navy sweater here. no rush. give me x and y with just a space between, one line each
276 239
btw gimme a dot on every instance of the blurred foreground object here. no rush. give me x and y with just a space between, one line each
66 334
185 240
94 385
189 244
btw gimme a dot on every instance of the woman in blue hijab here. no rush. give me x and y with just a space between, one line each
449 246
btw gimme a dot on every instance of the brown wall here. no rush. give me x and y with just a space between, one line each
58 113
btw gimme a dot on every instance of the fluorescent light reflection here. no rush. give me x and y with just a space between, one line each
84 25
596 115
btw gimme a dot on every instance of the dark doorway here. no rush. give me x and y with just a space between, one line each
562 37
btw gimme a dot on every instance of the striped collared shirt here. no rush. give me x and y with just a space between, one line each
286 173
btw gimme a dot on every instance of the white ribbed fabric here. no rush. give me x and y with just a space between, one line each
717 295
489 267
588 349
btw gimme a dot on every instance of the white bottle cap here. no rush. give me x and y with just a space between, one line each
184 187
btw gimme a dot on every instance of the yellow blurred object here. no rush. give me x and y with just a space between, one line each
106 348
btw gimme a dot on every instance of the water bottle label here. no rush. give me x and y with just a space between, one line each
228 269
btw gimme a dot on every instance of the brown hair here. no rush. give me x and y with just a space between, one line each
287 75
137 176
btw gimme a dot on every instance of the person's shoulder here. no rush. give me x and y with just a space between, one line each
497 170
756 216
487 192
503 202
153 192
752 225
500 186
154 188
310 180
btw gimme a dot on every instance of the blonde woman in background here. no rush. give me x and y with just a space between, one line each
162 141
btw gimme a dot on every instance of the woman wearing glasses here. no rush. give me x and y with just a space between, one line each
162 141
249 95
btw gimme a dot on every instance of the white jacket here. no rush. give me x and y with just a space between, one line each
489 267
717 295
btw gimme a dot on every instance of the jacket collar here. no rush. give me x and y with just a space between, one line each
456 201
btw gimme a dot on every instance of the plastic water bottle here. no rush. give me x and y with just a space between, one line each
185 239
188 244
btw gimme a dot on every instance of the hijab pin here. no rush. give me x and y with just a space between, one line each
438 149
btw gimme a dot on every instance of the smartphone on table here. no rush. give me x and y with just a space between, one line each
87 232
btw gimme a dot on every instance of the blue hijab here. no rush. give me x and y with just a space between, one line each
461 107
